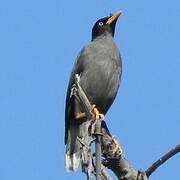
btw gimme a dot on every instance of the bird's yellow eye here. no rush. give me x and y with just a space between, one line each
101 23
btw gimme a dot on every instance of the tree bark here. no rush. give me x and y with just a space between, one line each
108 151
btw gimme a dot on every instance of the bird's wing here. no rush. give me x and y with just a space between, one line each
77 69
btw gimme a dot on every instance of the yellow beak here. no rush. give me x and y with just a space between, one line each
113 17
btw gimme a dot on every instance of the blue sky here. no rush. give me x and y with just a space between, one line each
39 41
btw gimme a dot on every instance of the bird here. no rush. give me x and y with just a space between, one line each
99 67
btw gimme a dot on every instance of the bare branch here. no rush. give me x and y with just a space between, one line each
81 96
98 149
111 155
163 159
115 161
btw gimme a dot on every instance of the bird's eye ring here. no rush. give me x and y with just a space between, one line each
100 23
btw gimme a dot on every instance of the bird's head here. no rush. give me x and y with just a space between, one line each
105 25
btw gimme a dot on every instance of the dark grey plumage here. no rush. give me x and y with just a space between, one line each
99 67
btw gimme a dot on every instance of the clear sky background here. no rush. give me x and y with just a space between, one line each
39 41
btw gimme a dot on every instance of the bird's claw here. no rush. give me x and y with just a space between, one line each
80 115
117 148
96 113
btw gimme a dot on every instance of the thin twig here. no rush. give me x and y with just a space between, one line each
87 107
98 149
83 98
160 161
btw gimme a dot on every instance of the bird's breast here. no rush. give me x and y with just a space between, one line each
101 75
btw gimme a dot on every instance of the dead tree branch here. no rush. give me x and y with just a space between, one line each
108 151
97 126
162 160
114 160
98 149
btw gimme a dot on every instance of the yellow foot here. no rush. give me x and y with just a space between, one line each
96 113
117 148
80 115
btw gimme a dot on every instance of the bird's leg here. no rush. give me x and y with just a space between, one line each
96 113
80 115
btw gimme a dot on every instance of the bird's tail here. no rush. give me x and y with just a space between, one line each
77 147
72 161
72 156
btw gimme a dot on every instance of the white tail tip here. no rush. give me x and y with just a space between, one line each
72 162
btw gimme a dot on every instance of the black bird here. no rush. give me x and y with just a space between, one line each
99 67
